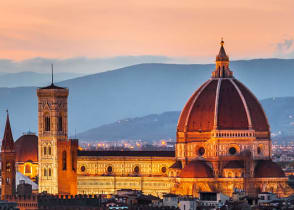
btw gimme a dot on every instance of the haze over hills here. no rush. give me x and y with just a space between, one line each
140 90
22 79
280 113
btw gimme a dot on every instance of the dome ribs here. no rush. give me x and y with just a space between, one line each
231 111
201 116
258 118
186 111
245 104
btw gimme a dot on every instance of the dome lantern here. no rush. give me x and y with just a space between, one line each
222 69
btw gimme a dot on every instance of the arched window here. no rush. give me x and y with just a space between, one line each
73 160
8 166
47 123
28 169
45 172
64 160
49 150
49 172
59 124
45 150
136 170
109 169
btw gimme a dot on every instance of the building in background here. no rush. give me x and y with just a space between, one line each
7 162
26 148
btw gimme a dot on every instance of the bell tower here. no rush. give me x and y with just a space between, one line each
8 157
57 154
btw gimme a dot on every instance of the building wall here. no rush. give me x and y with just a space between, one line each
253 186
94 176
188 145
7 173
156 186
32 173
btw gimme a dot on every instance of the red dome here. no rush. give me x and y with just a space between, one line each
196 169
26 148
223 104
268 169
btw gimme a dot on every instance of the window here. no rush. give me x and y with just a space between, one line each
201 151
64 160
163 169
59 124
49 172
258 150
28 169
109 169
8 166
232 150
47 123
136 170
83 168
45 150
7 180
49 150
73 160
45 172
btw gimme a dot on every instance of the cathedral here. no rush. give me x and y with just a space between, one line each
223 144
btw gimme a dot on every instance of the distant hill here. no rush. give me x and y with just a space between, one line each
141 90
280 113
151 127
23 79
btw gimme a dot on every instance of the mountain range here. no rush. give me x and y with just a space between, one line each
141 90
22 79
280 113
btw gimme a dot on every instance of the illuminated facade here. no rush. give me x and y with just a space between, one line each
26 148
223 143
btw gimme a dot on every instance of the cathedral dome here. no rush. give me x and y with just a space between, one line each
196 169
222 103
268 169
26 148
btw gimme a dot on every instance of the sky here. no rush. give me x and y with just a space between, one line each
175 31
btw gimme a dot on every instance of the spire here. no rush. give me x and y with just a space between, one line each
52 74
7 142
222 64
222 55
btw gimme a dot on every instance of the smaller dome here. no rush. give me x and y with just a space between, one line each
196 169
26 148
268 169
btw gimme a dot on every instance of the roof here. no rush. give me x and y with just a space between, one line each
26 148
222 55
7 142
127 153
177 165
224 103
52 86
268 169
197 169
235 164
19 177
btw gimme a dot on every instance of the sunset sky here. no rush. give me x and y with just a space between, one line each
189 29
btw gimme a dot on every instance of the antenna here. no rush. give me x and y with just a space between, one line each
52 72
